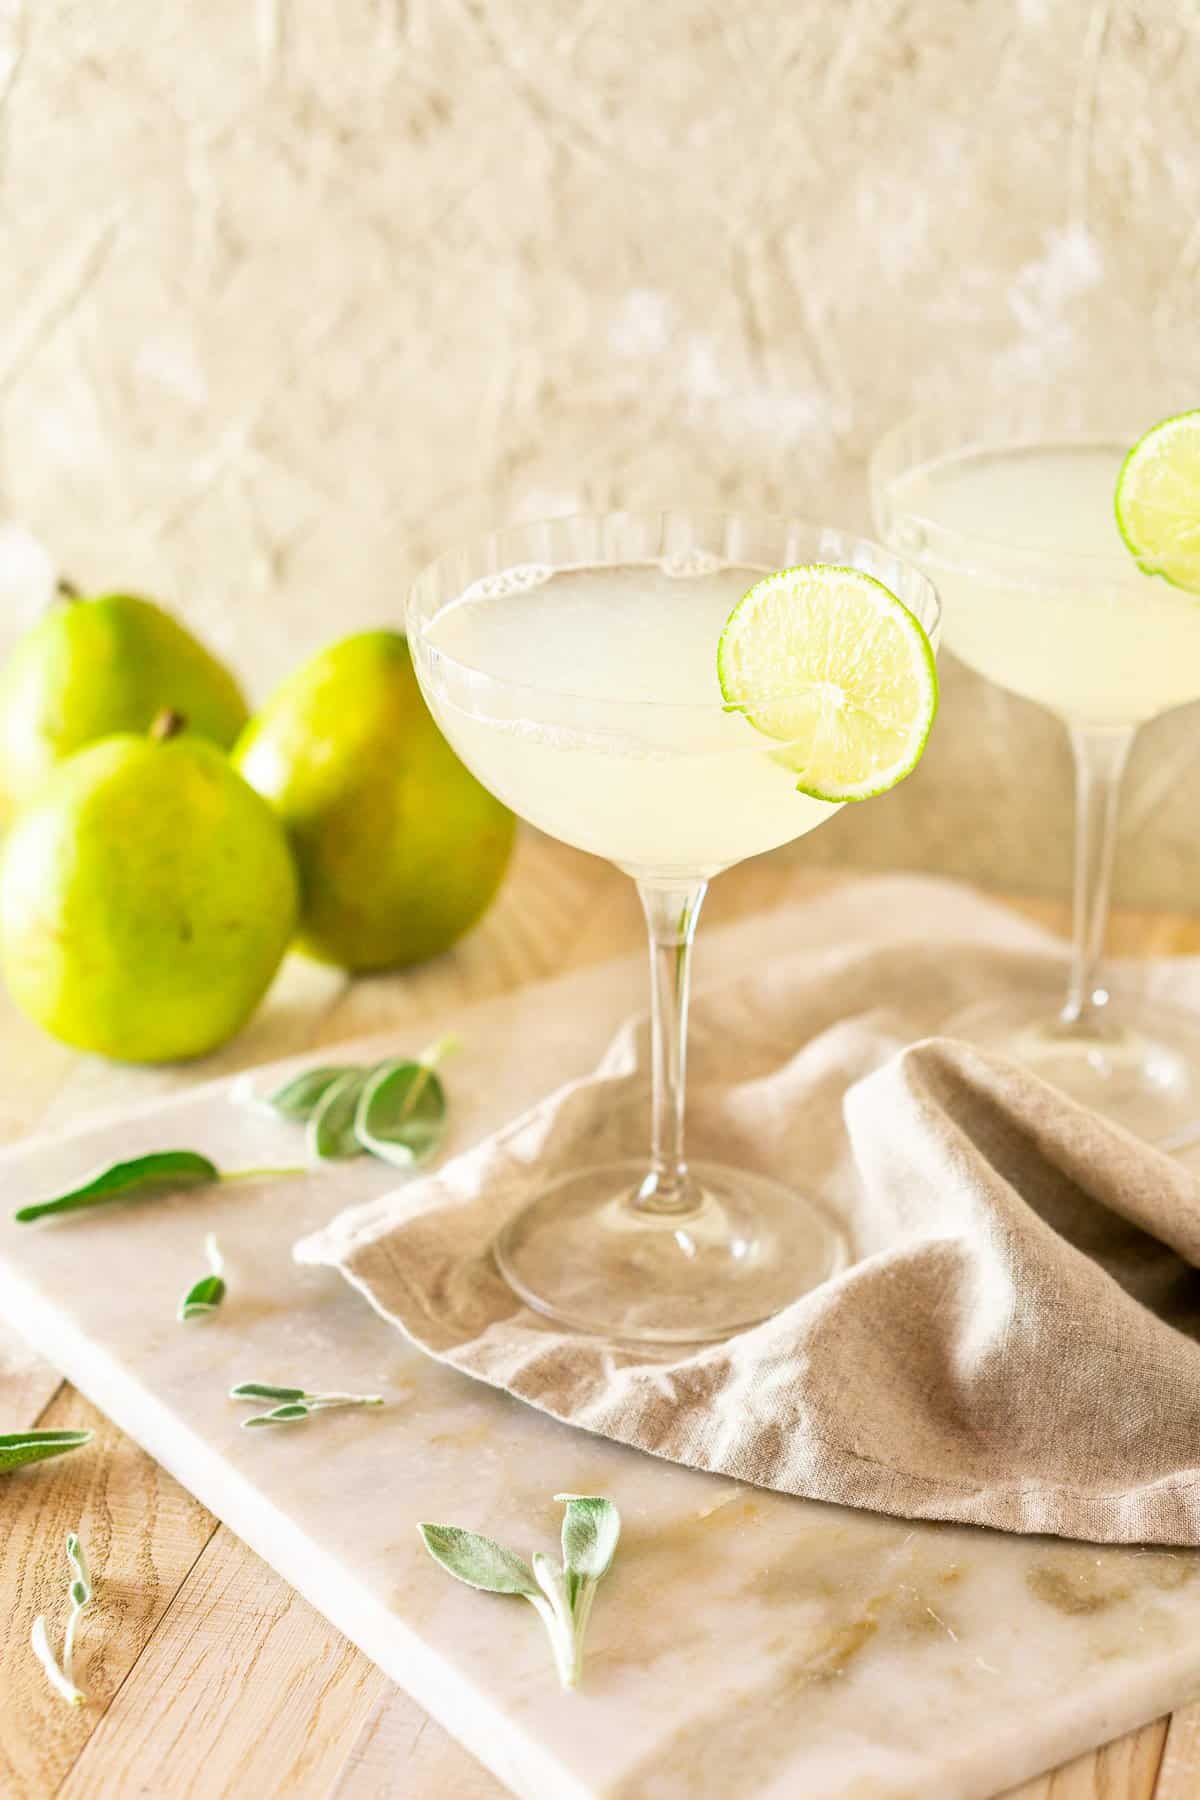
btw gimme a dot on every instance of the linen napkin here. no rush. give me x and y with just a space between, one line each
1015 1340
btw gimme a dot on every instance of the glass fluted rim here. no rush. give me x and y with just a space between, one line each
1028 421
678 531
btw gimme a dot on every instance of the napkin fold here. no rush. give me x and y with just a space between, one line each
1015 1342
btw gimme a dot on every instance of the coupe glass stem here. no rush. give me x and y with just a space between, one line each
671 909
1100 755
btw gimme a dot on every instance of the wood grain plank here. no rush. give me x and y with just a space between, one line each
403 1754
1179 1772
244 1667
1126 1769
142 1533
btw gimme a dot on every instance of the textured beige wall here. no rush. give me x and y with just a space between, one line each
294 294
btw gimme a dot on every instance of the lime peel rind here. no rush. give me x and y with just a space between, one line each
828 658
1157 501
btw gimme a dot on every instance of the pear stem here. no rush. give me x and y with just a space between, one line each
168 724
65 589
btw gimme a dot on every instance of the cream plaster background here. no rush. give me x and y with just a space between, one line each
294 294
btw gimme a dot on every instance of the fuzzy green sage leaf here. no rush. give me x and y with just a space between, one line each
81 1586
258 1390
297 1402
401 1113
299 1097
562 1597
162 1171
590 1531
479 1561
331 1134
279 1415
396 1110
145 1177
21 1447
204 1296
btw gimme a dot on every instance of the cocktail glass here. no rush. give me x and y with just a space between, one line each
1011 513
572 666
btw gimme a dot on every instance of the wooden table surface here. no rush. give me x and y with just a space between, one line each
207 1675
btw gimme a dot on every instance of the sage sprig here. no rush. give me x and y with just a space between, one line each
395 1110
144 1177
562 1596
296 1403
204 1296
21 1447
62 1677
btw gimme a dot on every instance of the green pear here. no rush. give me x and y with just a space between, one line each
90 668
399 848
147 896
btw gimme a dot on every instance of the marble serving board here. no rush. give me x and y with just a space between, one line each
745 1644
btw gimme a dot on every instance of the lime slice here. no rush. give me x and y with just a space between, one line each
829 660
1158 501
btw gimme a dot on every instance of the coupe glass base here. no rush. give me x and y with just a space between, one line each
1141 1068
589 1255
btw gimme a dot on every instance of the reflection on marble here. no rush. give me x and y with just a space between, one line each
746 1646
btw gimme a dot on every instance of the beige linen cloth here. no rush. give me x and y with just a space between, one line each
1015 1341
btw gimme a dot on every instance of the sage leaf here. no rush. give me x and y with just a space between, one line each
202 1298
279 1415
22 1447
299 1097
205 1295
562 1597
401 1113
590 1530
162 1171
478 1561
77 1559
258 1390
331 1135
81 1586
